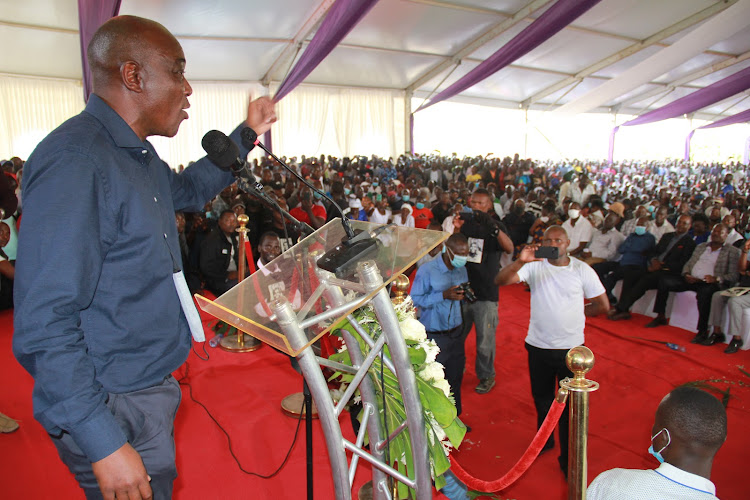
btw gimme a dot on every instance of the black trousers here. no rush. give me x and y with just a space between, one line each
636 284
704 291
452 356
611 272
546 368
147 418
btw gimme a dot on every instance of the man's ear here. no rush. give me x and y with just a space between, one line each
131 74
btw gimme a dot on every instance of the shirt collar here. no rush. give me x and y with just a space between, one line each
121 133
685 478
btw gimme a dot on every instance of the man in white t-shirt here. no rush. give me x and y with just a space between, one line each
558 316
689 428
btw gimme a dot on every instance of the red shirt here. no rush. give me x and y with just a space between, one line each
422 217
302 216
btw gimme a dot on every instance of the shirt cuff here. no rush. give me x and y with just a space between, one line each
99 435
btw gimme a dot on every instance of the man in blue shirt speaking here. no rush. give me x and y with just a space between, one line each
98 320
437 295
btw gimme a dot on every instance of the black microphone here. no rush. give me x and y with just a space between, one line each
225 154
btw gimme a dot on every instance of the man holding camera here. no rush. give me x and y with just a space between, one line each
559 285
488 239
437 292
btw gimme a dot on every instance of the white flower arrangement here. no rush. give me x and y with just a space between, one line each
444 429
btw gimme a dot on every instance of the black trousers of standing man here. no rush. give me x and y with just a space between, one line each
546 369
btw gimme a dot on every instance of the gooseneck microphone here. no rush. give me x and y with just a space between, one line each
250 140
226 155
342 259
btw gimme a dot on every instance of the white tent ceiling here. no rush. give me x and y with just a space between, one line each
417 45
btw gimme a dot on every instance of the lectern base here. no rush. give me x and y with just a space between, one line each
232 343
291 405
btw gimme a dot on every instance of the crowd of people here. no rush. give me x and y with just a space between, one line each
101 275
636 222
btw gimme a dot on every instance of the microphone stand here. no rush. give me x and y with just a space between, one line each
355 247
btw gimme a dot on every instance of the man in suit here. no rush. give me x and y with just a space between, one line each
671 254
712 267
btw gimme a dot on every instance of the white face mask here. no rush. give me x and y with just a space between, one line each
574 213
544 218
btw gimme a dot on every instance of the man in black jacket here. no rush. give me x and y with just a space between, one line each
219 255
670 255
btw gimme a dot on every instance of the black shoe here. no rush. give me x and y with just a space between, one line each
485 385
734 346
699 338
714 339
657 321
468 429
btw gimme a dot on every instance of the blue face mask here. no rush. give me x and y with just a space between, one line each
640 230
747 235
657 454
317 196
347 190
457 260
374 184
420 206
650 208
405 197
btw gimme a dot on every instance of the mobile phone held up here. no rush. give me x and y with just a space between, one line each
547 253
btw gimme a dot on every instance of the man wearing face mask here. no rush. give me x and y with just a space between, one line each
690 426
437 295
578 228
633 252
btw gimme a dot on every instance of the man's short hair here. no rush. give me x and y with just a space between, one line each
224 212
456 238
557 228
267 234
694 415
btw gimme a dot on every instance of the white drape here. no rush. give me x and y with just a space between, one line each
30 108
313 120
213 106
316 120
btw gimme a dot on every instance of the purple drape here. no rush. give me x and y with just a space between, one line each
729 86
340 19
741 117
562 13
611 150
91 15
689 138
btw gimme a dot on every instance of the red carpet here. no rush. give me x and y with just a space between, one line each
243 392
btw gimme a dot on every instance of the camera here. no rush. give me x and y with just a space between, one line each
469 294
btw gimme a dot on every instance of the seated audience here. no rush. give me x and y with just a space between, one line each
669 257
712 267
632 252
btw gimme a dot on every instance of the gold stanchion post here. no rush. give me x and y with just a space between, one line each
580 360
241 342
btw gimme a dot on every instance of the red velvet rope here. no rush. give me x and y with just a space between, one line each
550 422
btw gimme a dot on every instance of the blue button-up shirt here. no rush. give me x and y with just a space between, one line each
432 279
96 309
